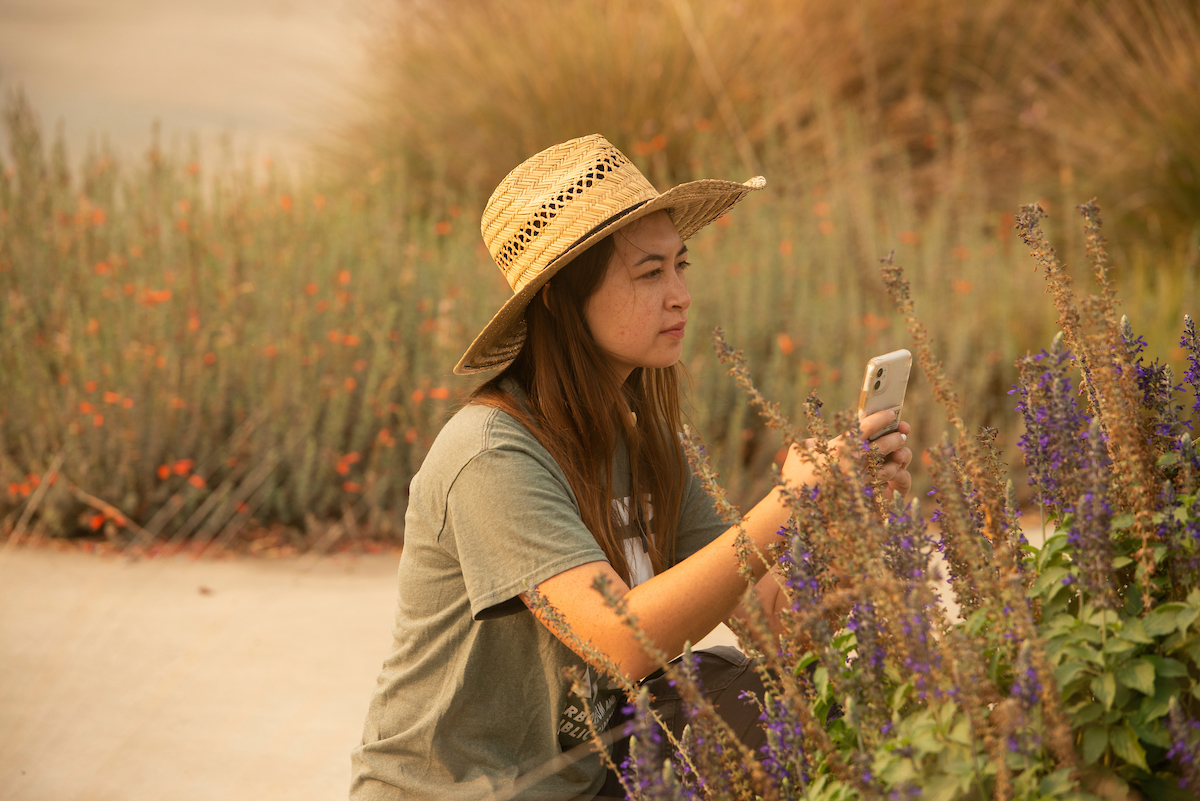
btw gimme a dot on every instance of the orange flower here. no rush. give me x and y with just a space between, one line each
164 471
98 420
193 168
442 228
93 325
825 227
285 202
351 340
127 403
14 488
182 224
342 469
410 436
785 344
962 286
909 237
310 288
86 408
454 210
111 397
231 461
128 289
270 351
64 379
26 490
160 362
102 268
352 486
183 466
197 482
321 306
178 403
385 438
418 396
703 124
97 522
393 336
350 384
242 507
318 201
360 365
89 386
343 277
193 323
210 358
334 336
785 247
98 217
439 393
962 252
821 208
33 480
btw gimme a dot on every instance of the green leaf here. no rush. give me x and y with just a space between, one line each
1116 645
1095 742
976 621
1157 705
1125 745
1057 782
1166 666
1049 582
1133 630
1167 459
1067 672
1122 522
1153 733
1087 713
1121 561
1104 687
1137 675
1162 620
1186 618
943 788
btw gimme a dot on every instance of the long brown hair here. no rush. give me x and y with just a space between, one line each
578 410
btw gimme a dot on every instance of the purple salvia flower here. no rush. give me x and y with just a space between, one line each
1089 532
1053 421
1191 347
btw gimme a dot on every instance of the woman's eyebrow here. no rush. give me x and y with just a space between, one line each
659 257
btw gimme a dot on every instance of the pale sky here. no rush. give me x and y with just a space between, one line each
273 74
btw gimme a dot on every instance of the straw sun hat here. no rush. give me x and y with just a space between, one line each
562 201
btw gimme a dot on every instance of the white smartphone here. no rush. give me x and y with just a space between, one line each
884 383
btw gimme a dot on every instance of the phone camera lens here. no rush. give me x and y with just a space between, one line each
878 374
877 383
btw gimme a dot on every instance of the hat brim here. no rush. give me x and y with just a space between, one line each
691 206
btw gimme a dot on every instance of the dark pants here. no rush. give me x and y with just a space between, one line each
724 673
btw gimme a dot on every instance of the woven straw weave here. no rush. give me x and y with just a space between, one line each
560 202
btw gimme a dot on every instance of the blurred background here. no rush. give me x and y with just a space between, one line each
239 251
239 256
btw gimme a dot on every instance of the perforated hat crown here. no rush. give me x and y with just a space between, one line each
560 202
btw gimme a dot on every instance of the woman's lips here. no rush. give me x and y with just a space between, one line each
675 331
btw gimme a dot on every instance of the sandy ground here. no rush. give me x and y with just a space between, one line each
184 679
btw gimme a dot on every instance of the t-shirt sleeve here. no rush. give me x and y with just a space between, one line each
699 522
512 521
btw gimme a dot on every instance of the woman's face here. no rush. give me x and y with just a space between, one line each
637 314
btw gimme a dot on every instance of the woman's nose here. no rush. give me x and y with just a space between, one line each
679 297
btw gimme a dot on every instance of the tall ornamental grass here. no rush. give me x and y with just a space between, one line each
998 669
1102 92
191 353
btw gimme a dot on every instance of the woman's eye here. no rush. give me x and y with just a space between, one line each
683 265
655 273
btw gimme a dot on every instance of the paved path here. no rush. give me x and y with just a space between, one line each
181 679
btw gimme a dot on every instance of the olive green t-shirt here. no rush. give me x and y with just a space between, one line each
473 695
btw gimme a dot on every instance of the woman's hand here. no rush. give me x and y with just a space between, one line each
799 469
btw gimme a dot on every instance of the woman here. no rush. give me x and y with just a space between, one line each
531 487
